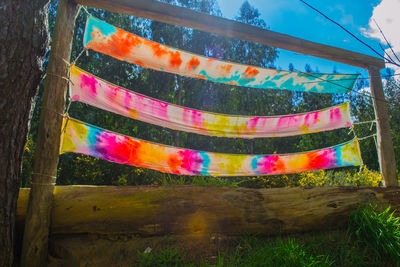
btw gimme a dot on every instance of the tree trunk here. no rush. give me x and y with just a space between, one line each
201 211
23 43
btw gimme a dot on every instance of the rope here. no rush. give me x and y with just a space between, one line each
54 178
42 174
63 59
80 54
56 112
366 137
376 144
364 122
352 131
59 76
66 122
85 9
49 184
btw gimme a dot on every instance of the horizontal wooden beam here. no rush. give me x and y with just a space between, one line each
189 210
185 17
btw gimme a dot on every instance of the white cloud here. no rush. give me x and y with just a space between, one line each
387 15
366 90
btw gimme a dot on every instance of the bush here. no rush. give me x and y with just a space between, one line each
364 177
170 179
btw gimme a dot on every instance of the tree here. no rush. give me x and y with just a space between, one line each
24 40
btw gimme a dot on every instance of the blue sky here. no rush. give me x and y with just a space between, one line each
294 18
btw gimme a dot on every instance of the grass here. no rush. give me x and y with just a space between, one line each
280 252
372 239
377 231
164 257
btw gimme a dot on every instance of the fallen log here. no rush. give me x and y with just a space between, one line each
192 210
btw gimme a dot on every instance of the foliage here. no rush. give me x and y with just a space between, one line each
364 177
378 231
316 178
269 181
168 179
27 162
349 177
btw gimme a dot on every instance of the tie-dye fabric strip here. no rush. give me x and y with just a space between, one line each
99 93
110 40
79 137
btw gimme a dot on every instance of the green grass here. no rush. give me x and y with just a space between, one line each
168 257
377 231
372 239
280 252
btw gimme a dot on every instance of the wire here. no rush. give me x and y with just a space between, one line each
387 42
343 28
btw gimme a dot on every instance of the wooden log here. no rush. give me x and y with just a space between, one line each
185 17
35 244
201 211
385 148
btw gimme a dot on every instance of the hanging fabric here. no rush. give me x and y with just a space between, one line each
110 40
79 137
94 91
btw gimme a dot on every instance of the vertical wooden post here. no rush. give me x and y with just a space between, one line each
35 243
385 144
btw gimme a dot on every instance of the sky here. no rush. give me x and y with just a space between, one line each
296 19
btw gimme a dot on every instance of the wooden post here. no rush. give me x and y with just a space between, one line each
35 243
385 148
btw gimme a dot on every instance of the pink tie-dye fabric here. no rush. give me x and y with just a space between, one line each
80 137
99 93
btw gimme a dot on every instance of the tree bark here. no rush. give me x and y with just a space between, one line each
35 243
201 211
23 44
